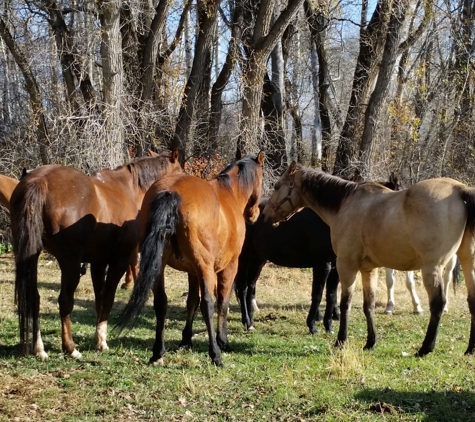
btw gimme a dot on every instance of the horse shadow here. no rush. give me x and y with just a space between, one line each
436 406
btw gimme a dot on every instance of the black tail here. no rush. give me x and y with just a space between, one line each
468 196
27 214
160 228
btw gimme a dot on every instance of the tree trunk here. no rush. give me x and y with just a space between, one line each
32 89
112 68
386 69
207 16
372 38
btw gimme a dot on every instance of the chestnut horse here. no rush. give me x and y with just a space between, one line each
7 185
78 218
372 226
198 227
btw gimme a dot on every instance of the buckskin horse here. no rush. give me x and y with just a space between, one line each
198 227
78 218
371 226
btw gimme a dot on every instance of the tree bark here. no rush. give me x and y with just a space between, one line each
386 69
112 68
32 89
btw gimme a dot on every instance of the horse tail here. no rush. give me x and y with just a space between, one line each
468 196
161 227
27 245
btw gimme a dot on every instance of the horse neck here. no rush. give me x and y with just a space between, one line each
240 195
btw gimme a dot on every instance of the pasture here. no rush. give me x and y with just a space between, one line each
277 373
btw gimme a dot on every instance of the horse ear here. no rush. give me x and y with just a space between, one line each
175 155
238 154
292 168
260 158
152 153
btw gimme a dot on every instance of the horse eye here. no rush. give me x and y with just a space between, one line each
277 186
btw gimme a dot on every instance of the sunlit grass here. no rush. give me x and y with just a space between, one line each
277 373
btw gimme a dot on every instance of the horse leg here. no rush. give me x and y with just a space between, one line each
132 270
192 303
320 275
347 281
70 274
38 345
449 267
331 310
207 284
432 278
390 289
225 285
160 303
411 286
370 281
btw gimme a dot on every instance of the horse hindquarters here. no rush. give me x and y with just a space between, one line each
27 228
161 226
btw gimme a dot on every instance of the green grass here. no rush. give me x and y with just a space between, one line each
277 373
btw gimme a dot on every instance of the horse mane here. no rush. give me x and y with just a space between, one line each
147 170
246 173
329 191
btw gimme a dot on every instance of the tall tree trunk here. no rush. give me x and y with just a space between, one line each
372 39
386 69
112 68
32 89
207 16
262 42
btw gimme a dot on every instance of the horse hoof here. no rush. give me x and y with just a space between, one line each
418 312
42 355
368 347
339 344
218 362
251 328
185 345
157 362
312 330
125 286
388 311
76 354
225 347
421 353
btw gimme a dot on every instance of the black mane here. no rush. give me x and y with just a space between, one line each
329 191
246 173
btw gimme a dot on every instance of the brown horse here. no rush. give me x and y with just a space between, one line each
7 185
78 218
372 226
196 226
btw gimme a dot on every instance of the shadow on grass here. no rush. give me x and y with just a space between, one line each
435 406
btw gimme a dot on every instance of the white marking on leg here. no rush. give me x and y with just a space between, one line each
390 289
101 337
411 286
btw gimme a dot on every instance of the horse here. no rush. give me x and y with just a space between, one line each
198 227
7 185
301 242
78 218
371 226
451 272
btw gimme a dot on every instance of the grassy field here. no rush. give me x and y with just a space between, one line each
277 373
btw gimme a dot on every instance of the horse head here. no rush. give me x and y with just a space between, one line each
252 211
286 199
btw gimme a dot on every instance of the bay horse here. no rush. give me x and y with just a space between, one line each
78 218
198 227
371 226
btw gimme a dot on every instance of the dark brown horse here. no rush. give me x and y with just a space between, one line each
198 227
371 226
78 218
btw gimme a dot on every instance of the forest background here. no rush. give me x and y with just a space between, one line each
378 86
